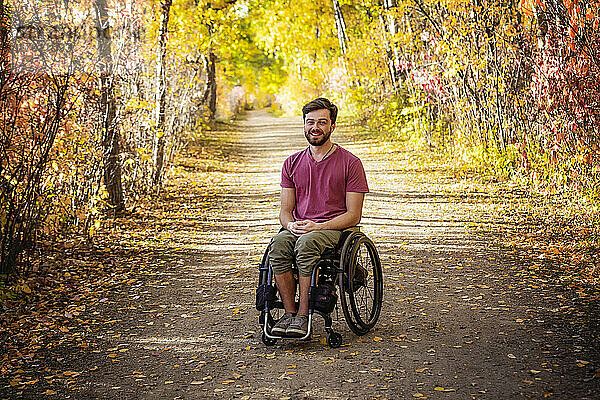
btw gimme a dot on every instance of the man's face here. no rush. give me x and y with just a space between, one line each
318 127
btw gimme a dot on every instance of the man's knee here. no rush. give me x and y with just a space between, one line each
310 246
306 242
281 252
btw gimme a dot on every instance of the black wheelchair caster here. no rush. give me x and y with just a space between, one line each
268 341
334 340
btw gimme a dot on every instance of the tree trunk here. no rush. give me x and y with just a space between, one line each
209 96
340 24
390 29
110 133
341 27
161 95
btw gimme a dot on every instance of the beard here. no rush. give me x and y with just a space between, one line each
319 140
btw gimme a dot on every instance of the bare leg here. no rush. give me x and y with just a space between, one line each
287 287
304 288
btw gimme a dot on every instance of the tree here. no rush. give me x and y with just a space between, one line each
341 27
210 92
390 29
161 94
34 93
110 131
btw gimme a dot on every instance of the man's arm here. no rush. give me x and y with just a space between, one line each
288 202
352 216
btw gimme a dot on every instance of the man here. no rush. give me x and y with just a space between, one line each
323 189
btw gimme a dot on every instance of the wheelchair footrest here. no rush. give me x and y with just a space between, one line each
267 332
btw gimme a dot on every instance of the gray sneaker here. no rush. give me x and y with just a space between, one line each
280 328
298 327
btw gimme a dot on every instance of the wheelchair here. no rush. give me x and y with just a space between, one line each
350 272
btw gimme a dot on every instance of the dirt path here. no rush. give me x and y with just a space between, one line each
461 319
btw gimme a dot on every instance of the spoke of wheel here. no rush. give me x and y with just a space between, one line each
365 298
361 296
370 292
362 303
368 307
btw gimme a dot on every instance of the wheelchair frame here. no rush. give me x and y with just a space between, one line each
337 267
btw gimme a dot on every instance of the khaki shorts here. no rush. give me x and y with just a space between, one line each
305 250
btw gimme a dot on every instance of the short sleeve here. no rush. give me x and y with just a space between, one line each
357 179
286 176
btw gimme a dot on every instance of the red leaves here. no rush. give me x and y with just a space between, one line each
566 86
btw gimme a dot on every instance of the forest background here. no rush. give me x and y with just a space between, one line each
97 97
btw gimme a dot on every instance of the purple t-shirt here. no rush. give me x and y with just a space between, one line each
321 187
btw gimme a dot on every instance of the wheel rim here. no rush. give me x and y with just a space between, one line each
365 283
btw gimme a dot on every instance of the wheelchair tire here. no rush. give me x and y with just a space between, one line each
361 285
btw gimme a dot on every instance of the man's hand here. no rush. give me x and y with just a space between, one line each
301 227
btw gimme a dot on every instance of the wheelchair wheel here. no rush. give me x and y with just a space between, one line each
334 340
268 341
361 285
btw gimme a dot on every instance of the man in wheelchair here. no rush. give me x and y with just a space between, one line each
323 188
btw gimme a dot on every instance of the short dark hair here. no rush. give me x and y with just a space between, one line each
320 103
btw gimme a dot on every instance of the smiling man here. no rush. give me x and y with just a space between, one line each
323 188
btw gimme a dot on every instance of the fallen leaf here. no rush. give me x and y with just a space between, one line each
441 389
283 376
